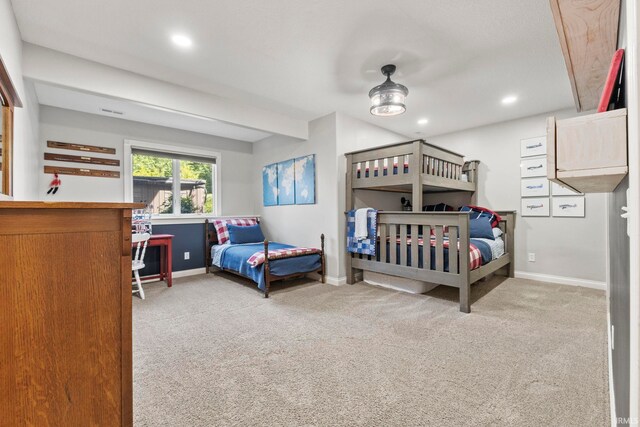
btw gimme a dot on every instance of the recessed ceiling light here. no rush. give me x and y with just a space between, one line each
181 40
423 121
508 100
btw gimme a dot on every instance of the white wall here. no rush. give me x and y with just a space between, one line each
70 126
566 247
352 135
61 69
26 160
571 248
302 225
329 138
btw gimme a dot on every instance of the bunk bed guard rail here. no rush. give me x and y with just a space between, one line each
401 164
398 254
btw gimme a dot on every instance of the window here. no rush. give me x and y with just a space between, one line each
173 184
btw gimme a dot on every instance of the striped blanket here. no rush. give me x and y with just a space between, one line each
475 255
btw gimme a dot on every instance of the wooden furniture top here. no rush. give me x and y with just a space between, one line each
68 205
588 35
398 144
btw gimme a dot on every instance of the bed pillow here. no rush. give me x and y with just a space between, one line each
480 228
478 211
245 234
497 232
223 232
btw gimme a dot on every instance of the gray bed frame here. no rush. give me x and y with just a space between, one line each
430 169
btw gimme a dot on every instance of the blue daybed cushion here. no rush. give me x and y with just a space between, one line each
245 234
480 228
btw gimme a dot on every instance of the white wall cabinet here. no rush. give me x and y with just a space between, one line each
588 153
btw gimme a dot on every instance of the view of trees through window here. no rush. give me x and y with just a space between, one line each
153 183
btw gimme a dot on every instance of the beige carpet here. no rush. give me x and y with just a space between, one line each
212 352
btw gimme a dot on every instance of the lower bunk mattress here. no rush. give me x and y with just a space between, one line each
235 258
481 252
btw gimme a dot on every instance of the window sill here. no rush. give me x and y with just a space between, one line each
191 218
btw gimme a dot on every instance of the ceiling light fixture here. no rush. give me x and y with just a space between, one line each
388 98
508 100
423 121
181 40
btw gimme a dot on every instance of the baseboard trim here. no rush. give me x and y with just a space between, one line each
336 281
180 273
562 280
192 272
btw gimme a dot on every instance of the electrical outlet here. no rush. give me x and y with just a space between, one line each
532 257
187 255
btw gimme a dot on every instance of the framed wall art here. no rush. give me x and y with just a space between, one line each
534 187
530 168
533 146
559 190
535 206
569 206
270 185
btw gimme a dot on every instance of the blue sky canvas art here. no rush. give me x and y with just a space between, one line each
286 182
270 185
305 180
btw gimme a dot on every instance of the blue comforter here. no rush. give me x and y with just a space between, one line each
234 257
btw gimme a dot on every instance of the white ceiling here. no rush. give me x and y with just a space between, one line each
458 58
95 104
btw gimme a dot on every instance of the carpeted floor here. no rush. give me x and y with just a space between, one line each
212 352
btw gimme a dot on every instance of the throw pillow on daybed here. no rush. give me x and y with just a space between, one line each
245 234
221 227
480 228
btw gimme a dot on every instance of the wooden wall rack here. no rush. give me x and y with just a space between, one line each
588 34
81 172
81 159
81 147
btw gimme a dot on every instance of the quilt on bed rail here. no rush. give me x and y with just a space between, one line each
258 258
479 252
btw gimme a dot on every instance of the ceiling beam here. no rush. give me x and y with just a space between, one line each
61 69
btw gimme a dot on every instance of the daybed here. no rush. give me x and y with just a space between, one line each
249 260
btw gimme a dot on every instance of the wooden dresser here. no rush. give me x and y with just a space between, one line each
65 314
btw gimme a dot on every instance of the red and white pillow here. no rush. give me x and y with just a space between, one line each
223 231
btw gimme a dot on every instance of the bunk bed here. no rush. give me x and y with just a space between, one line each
416 167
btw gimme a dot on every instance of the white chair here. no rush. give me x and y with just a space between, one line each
137 263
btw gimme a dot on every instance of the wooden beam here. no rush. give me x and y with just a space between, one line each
588 35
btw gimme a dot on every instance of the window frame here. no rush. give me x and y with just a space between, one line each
130 145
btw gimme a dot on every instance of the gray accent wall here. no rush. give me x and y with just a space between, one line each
619 271
187 238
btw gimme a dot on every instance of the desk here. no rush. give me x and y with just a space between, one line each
164 241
